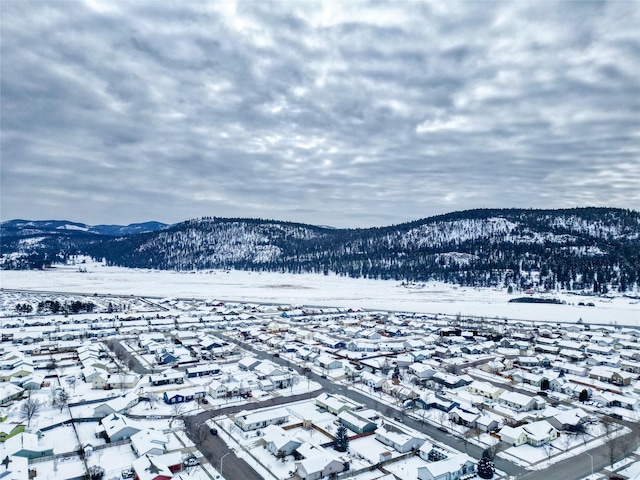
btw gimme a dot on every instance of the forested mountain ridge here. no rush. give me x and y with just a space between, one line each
34 243
582 248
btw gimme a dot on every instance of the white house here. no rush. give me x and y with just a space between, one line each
400 438
278 440
116 427
248 420
318 462
457 467
536 434
518 401
217 389
149 442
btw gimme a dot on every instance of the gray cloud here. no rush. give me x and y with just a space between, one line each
327 113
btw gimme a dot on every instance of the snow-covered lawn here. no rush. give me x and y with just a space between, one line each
113 459
537 458
407 468
368 449
69 467
632 471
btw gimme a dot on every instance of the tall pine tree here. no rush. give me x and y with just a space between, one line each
485 467
341 442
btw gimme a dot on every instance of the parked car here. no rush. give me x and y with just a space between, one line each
128 473
191 462
213 431
443 429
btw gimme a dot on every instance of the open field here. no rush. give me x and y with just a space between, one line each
321 290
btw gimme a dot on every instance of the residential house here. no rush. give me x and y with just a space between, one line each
97 377
217 389
149 442
248 363
422 371
151 468
318 463
248 420
27 445
278 440
464 417
399 437
328 362
202 370
122 381
452 381
457 467
168 377
15 468
19 371
116 427
172 397
8 430
536 434
372 380
114 405
569 420
356 422
485 389
9 392
335 404
488 421
519 402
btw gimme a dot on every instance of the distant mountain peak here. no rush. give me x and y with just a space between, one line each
574 249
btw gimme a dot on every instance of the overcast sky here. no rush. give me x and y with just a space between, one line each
349 114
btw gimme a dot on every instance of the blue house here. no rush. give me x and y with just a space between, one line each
184 395
166 358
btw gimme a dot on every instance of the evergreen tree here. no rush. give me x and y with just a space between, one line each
341 442
544 384
396 373
485 466
584 395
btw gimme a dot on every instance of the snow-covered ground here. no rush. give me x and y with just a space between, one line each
323 290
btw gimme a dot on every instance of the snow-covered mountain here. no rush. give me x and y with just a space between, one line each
29 243
27 228
595 248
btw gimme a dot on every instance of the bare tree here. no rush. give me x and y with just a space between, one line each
611 442
29 409
71 381
548 449
96 472
582 433
203 433
61 399
122 378
472 433
152 398
442 416
176 410
495 448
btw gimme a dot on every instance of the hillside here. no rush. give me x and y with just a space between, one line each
587 248
32 244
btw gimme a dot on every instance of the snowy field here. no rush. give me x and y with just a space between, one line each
322 290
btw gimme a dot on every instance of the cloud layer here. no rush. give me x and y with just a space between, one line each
346 114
